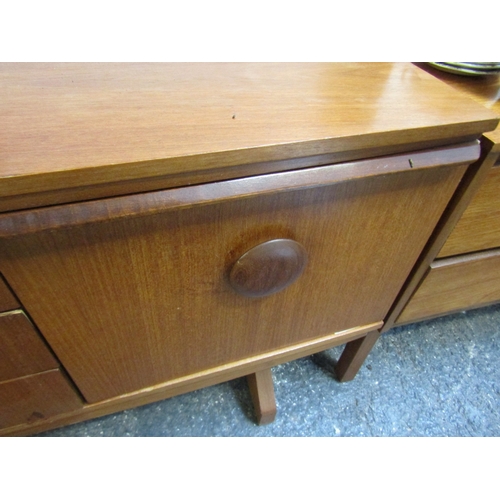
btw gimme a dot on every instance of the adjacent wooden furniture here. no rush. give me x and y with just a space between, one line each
166 227
466 272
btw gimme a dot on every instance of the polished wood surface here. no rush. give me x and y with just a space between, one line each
456 284
36 398
262 391
193 382
22 351
24 222
94 124
7 301
479 227
483 89
268 268
144 300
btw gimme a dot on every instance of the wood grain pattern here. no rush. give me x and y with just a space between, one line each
193 382
145 300
35 398
15 224
262 391
7 301
479 226
456 284
22 351
91 124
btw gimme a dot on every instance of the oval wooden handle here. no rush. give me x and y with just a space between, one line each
268 268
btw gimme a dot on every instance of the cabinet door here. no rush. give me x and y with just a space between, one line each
135 291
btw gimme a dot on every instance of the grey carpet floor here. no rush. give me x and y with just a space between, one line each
433 378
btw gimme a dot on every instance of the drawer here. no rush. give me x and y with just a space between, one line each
455 284
30 399
7 300
140 290
479 227
22 351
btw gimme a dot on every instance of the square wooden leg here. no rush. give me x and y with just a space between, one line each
262 392
354 355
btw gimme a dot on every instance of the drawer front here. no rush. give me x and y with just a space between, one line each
7 301
456 284
144 293
22 351
34 398
479 227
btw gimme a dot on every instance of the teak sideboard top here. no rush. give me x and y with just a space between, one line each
73 132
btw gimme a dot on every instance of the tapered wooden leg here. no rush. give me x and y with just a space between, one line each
354 355
262 391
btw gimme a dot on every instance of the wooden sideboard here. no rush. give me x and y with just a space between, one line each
166 227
